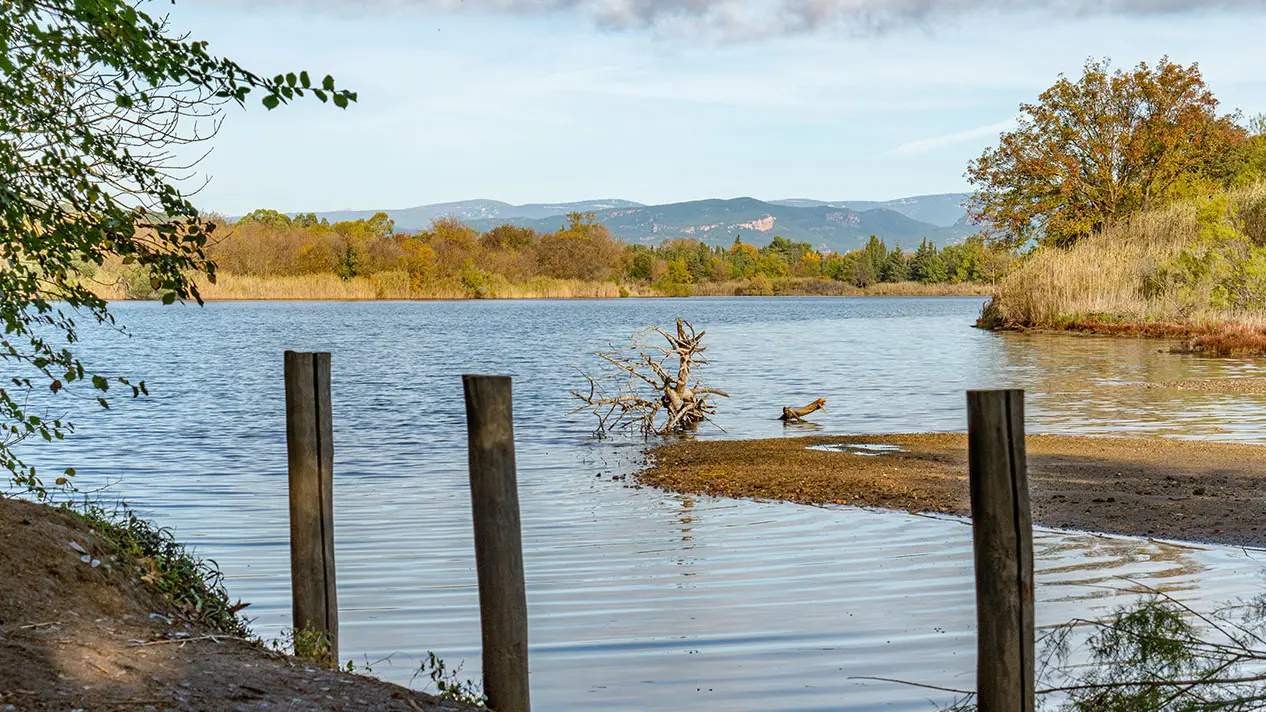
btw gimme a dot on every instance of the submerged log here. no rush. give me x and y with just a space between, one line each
796 415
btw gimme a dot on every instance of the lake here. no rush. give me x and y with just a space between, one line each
638 599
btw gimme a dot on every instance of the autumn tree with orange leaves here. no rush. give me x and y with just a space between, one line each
1100 149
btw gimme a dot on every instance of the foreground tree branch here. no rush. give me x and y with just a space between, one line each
102 110
654 388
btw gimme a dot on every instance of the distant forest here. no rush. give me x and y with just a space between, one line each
451 257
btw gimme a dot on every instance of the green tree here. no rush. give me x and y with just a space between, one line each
927 265
1096 150
380 225
94 97
869 266
773 265
642 266
834 267
896 268
268 218
306 221
965 262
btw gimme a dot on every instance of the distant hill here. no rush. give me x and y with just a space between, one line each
718 222
412 219
944 209
835 225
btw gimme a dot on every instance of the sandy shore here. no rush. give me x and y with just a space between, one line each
1171 489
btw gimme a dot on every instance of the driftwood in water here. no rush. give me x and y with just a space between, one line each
658 389
796 415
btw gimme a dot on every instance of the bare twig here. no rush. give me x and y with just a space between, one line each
645 379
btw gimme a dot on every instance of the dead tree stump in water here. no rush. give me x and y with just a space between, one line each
658 389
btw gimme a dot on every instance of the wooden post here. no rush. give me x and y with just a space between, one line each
1002 532
498 542
310 443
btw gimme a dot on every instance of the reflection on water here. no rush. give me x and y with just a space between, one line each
638 599
1074 386
864 449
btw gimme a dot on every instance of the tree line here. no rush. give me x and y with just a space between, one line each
267 243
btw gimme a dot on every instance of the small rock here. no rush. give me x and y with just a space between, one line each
86 559
96 563
76 546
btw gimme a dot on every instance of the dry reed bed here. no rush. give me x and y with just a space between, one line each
109 284
1101 284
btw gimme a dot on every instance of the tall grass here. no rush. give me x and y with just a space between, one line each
115 282
1114 279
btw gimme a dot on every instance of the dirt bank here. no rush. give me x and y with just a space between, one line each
1169 489
74 635
1204 339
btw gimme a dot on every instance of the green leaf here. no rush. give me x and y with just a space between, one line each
328 83
340 101
271 102
291 79
169 298
305 80
100 383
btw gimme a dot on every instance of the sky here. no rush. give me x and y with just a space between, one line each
660 101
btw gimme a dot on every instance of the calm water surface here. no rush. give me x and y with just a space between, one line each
638 599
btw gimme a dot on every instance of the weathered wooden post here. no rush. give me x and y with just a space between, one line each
310 443
1002 531
494 498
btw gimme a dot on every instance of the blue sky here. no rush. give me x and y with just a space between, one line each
554 100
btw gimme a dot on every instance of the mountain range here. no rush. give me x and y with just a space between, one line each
837 225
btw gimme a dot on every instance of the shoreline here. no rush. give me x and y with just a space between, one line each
1193 491
1229 339
860 295
397 287
88 621
1209 338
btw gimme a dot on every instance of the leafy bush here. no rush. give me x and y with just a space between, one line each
193 585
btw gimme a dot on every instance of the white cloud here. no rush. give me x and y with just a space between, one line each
737 20
924 145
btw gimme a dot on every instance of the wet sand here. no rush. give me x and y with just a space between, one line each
1233 386
1169 489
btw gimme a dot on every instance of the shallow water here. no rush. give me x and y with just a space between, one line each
638 599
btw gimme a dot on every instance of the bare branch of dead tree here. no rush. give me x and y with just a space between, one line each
654 388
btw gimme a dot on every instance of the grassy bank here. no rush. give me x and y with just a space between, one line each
115 283
1194 271
104 611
